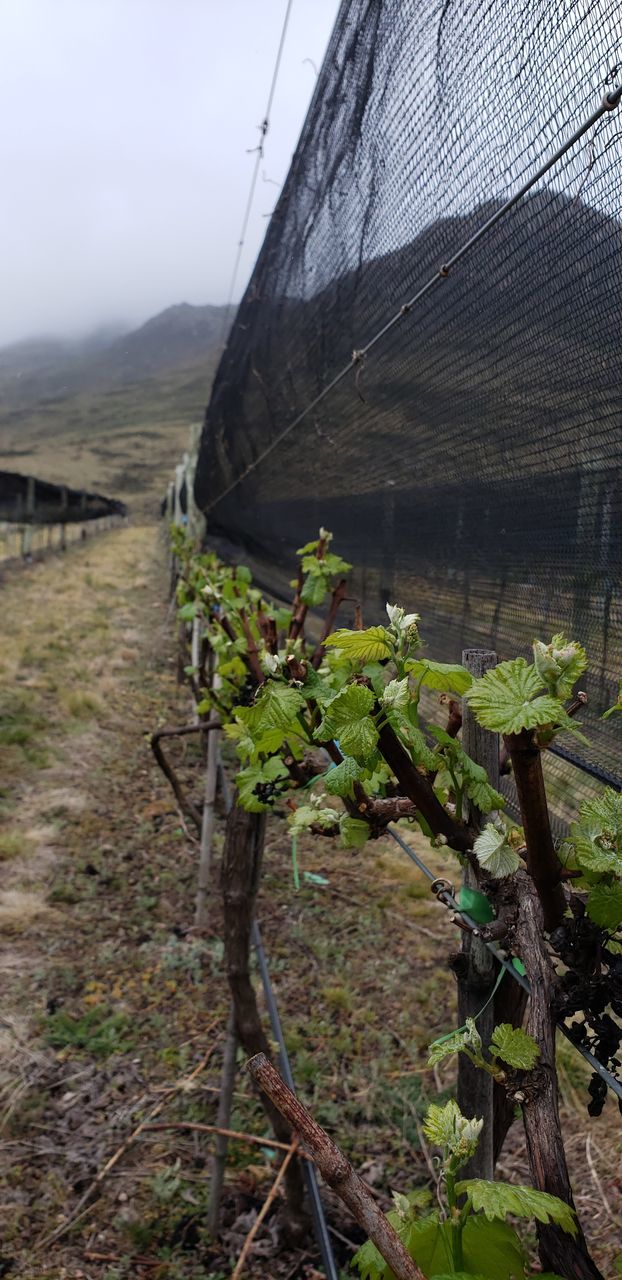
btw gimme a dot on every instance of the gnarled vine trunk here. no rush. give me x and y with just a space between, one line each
559 1252
242 857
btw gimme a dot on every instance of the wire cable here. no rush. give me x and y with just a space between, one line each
263 129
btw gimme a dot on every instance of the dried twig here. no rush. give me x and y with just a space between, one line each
235 1275
137 1261
595 1178
185 804
336 1170
195 1127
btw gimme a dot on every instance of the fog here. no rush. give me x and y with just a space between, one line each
124 131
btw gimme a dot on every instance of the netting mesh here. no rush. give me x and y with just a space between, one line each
470 465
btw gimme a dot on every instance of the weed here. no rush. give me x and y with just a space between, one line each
83 704
167 1182
185 957
12 844
99 1032
338 998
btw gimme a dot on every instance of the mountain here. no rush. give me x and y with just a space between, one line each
110 411
180 335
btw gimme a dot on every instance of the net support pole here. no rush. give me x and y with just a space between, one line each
477 970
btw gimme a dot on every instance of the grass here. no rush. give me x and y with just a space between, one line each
83 704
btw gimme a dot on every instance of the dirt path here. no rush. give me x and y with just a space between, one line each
109 996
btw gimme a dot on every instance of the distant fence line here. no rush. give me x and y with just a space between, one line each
25 500
37 516
19 542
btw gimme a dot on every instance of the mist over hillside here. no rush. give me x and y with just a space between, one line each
111 410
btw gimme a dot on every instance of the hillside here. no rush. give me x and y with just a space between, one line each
112 411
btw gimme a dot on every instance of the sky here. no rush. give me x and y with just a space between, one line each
124 132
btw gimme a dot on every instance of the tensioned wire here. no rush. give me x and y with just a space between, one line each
264 127
609 103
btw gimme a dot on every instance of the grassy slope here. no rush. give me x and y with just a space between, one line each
110 997
123 442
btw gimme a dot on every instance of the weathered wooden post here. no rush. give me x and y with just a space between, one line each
29 516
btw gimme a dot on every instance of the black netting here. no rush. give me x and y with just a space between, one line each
25 500
470 466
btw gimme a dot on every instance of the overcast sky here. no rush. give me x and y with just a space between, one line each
124 126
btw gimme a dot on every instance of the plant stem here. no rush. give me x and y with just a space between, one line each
455 1221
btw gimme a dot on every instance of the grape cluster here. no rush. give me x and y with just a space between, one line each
246 693
598 1095
592 987
268 792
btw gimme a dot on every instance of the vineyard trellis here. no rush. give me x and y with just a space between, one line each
247 625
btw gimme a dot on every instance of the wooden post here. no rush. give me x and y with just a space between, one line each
195 655
209 797
241 867
477 971
207 828
26 541
219 1159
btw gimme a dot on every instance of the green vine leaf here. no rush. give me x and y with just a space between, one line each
514 1046
314 590
414 738
447 1128
347 720
371 645
474 779
494 853
371 1264
339 781
354 832
464 1038
396 695
447 677
282 618
498 1199
510 698
604 905
597 836
276 707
